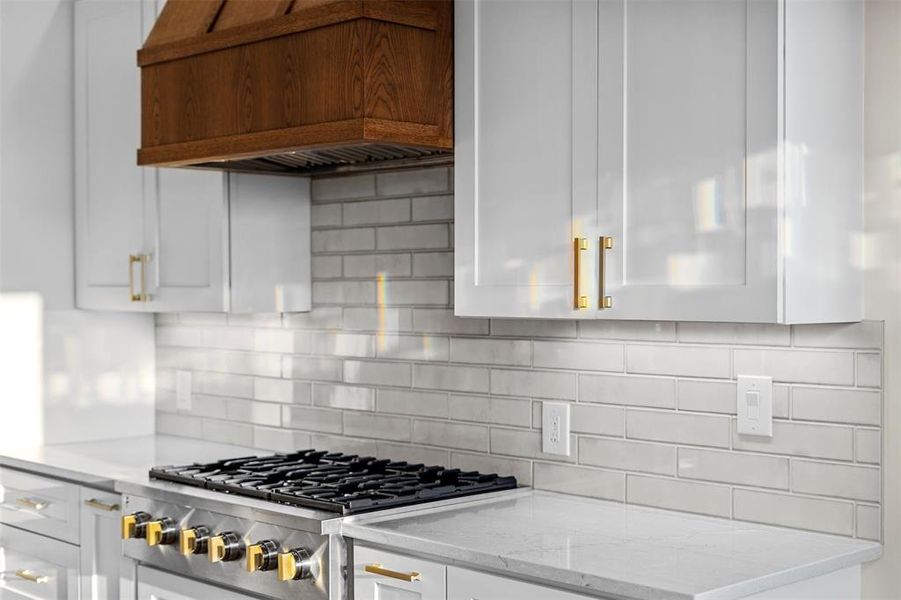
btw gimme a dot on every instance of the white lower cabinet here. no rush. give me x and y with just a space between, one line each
35 567
465 584
159 585
101 545
382 575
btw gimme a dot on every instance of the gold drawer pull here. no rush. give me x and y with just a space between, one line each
32 577
604 243
580 301
95 503
378 569
142 259
32 504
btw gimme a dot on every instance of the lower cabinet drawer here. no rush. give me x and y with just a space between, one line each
39 504
36 567
383 575
159 585
465 584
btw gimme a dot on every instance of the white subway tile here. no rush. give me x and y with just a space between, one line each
326 267
321 317
837 480
413 347
533 328
180 425
380 319
228 338
796 366
343 240
223 384
377 211
580 481
451 435
312 419
225 432
869 522
308 367
596 419
756 334
202 318
413 402
651 331
707 396
412 453
377 373
416 181
521 469
800 439
682 360
734 467
415 292
488 351
278 440
257 413
869 369
165 319
837 405
523 443
866 334
377 426
255 320
442 320
433 208
533 384
411 237
347 445
374 265
867 446
628 455
579 355
433 264
675 494
816 514
486 409
658 392
342 187
325 215
273 340
343 396
179 336
344 292
678 428
452 378
281 390
334 344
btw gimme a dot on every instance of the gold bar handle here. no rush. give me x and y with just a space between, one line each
604 243
32 577
378 569
141 259
579 300
95 503
32 504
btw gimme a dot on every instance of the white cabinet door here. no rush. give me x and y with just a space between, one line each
464 584
35 567
382 575
110 217
525 172
101 545
157 585
688 135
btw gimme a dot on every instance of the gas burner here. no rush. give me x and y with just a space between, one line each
341 483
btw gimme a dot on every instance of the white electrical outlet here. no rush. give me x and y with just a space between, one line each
183 390
755 405
555 428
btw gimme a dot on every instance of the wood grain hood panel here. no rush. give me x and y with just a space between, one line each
296 85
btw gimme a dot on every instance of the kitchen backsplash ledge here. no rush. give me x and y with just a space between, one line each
381 366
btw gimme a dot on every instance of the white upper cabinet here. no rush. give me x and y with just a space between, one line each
703 140
165 240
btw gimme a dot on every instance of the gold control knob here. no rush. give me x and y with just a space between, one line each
161 531
134 525
225 547
216 549
294 564
193 540
262 556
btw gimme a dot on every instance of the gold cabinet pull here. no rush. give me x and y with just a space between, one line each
32 577
604 243
378 569
32 504
142 260
580 301
95 503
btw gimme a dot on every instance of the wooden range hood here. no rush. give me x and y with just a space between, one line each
296 85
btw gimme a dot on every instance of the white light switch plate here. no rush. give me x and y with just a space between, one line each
183 390
755 405
555 428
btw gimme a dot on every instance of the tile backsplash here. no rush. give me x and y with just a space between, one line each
381 366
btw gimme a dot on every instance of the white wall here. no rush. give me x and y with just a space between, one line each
883 261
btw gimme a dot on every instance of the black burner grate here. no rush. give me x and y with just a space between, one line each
341 483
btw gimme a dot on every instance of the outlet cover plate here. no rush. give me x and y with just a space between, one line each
555 428
755 405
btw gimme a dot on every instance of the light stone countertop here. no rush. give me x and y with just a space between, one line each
611 548
578 543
